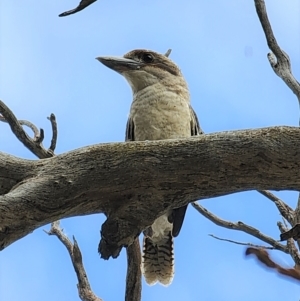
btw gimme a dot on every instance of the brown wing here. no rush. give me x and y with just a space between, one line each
179 213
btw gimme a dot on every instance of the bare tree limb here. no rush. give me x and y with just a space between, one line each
52 119
240 226
297 218
84 289
292 249
285 210
34 145
248 244
279 60
36 132
136 182
134 276
82 5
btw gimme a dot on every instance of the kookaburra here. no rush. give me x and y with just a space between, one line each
160 110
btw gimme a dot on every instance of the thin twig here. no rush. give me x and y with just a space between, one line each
285 210
52 119
240 226
168 52
248 244
83 286
33 145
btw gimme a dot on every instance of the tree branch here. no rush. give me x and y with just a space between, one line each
84 289
285 210
240 226
82 5
297 217
36 133
133 283
52 119
134 275
135 182
291 247
35 144
248 244
279 60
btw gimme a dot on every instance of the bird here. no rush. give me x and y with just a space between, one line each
160 109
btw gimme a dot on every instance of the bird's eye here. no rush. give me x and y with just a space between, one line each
147 58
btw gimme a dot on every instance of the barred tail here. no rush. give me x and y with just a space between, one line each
158 260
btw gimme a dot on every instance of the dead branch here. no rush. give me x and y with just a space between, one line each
84 289
135 182
278 59
133 284
82 5
134 275
52 119
36 132
285 210
248 244
297 218
292 249
33 144
240 226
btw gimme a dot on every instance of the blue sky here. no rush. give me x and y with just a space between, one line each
47 64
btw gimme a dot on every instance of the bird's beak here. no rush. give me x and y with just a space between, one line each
119 64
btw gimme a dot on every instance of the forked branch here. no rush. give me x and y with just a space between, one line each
33 144
279 60
84 289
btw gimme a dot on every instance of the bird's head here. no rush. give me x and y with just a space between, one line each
143 68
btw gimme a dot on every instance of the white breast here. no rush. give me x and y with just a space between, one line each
160 115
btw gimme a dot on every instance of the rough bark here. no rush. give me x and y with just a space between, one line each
135 182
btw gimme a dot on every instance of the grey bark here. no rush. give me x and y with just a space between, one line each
135 182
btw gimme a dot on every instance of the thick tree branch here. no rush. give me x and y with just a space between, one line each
134 275
240 226
84 289
133 281
135 182
279 60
